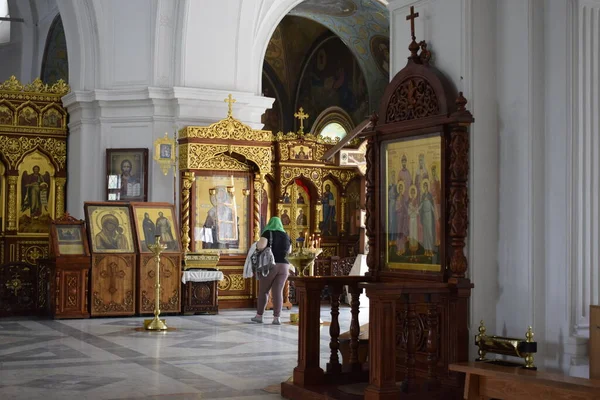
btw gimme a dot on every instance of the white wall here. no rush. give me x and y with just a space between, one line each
23 56
530 72
171 66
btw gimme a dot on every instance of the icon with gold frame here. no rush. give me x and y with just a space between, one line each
165 152
109 227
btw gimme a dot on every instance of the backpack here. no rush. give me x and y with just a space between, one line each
263 261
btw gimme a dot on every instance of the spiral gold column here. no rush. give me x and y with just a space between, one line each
187 182
12 203
258 188
59 184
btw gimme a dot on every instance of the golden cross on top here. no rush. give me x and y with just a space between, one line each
411 18
230 100
301 116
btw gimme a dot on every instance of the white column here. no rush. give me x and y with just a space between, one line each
586 163
84 165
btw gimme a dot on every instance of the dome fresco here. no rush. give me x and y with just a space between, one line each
363 26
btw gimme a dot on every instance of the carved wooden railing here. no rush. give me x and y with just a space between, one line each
414 335
410 319
308 372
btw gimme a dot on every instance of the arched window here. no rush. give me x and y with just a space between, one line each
333 123
333 130
4 25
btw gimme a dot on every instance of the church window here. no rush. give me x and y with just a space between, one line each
333 123
333 130
4 25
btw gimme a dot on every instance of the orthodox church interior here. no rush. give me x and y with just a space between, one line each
433 162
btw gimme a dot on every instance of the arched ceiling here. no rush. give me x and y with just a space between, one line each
363 25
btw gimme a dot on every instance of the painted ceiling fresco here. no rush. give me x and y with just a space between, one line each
363 25
289 47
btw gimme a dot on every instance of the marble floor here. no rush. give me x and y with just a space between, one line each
221 356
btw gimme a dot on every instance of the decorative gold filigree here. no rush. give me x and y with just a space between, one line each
165 153
102 308
60 195
308 137
343 175
228 128
37 86
187 182
12 202
284 152
237 282
225 283
225 163
258 188
15 148
202 155
317 149
289 173
30 251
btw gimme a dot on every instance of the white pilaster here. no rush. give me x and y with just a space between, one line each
586 163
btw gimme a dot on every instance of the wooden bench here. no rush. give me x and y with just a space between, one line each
487 380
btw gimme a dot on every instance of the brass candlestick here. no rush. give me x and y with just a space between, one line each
156 324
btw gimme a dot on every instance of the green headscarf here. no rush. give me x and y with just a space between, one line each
274 225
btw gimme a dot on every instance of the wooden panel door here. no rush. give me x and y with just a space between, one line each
170 284
71 292
113 285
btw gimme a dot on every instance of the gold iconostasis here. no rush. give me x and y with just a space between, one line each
234 178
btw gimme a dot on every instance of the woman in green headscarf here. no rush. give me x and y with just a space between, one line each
275 237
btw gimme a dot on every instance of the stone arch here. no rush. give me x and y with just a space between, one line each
81 33
266 29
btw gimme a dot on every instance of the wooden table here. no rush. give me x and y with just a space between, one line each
485 380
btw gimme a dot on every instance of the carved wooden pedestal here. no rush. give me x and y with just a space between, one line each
69 287
200 297
113 285
170 284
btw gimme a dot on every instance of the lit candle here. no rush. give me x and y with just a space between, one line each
231 180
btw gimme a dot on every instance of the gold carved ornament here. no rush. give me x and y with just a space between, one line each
60 195
165 160
258 188
307 137
289 173
12 203
187 182
59 88
228 128
13 148
204 156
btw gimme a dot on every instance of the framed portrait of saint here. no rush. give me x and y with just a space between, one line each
110 227
156 219
127 174
221 215
414 202
68 237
